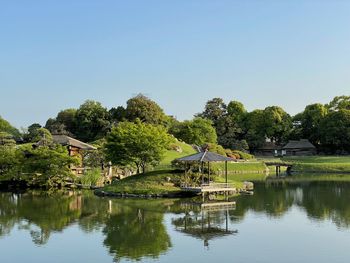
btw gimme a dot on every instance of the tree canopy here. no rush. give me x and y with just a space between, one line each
140 144
197 131
145 109
5 126
92 121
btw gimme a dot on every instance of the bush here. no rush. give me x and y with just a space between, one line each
242 155
216 148
92 177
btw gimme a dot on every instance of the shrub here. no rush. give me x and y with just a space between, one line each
216 148
242 155
92 177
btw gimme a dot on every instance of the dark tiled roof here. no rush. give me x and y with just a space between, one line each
205 157
269 146
301 144
66 140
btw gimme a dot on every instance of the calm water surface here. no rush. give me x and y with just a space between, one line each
296 223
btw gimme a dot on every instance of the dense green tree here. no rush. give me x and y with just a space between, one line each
92 121
228 122
45 165
214 110
140 144
145 109
6 139
56 127
5 126
68 118
310 121
335 131
197 131
32 134
64 123
339 103
254 127
236 109
277 123
8 156
117 114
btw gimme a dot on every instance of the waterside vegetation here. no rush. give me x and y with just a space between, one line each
136 144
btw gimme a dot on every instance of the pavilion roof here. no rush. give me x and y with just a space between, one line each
69 141
205 156
301 144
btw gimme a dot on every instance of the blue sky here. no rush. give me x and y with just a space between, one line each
56 54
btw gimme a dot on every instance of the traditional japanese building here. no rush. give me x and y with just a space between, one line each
302 147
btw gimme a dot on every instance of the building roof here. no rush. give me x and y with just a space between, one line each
69 141
269 146
301 144
205 156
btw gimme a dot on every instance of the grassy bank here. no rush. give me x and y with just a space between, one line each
320 164
155 182
250 166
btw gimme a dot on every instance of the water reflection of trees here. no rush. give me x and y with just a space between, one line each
41 213
320 200
135 233
135 229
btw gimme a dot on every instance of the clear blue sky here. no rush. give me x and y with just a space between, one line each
56 54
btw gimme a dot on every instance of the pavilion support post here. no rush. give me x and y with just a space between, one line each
208 172
185 174
202 171
226 173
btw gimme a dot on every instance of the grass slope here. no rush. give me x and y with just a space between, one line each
171 155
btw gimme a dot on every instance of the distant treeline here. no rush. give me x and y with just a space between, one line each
230 125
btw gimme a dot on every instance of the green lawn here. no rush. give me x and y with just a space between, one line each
320 164
154 182
253 166
171 155
318 159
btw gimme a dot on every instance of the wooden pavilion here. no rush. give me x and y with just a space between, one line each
204 159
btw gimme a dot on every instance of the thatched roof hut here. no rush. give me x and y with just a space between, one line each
301 147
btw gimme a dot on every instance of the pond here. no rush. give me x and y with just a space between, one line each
306 222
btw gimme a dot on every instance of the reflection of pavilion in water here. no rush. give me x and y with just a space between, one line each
209 223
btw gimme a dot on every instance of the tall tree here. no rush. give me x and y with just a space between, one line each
236 109
277 124
92 121
214 110
140 144
339 103
335 131
310 121
32 134
197 131
64 123
117 114
230 127
145 109
254 127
